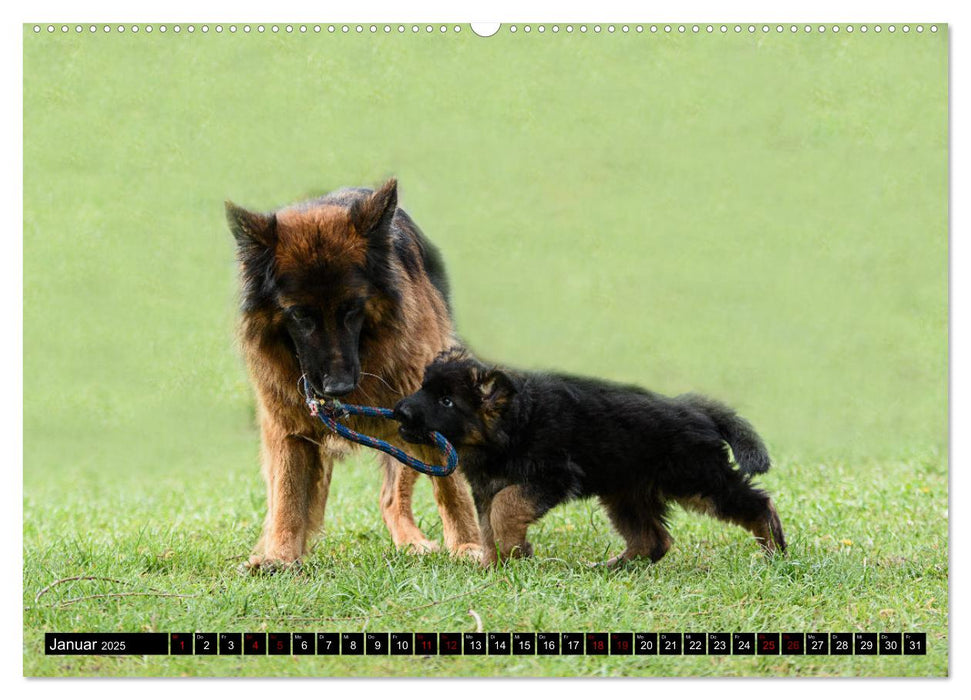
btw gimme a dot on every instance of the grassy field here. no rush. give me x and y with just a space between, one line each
761 218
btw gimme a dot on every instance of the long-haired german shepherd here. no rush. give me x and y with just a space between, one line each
528 441
345 291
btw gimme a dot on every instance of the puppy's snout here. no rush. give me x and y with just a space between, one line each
411 421
404 412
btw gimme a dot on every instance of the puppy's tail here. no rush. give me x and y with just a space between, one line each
747 447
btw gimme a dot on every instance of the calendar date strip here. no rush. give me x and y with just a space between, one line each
486 643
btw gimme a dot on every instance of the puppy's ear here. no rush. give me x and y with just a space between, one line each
453 354
495 386
375 212
251 229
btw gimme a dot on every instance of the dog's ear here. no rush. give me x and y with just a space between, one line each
456 353
251 229
495 386
371 218
374 213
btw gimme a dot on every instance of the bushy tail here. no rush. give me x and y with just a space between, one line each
747 447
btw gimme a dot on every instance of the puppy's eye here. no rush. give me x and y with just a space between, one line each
446 402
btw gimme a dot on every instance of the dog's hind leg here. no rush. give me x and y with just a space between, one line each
743 504
396 491
641 525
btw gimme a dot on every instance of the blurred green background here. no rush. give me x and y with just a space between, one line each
758 217
762 218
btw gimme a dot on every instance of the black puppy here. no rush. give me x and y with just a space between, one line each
529 441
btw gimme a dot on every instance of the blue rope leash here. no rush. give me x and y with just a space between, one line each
329 410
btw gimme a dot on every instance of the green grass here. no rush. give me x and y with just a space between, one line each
763 219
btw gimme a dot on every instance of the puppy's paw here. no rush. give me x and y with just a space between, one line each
613 563
523 550
489 558
497 558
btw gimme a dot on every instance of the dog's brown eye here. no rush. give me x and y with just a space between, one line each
446 402
353 310
302 319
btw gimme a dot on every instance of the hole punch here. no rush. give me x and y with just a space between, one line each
485 29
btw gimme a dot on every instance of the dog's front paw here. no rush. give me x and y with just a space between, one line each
260 564
469 550
419 546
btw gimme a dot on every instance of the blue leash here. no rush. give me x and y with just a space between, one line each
329 410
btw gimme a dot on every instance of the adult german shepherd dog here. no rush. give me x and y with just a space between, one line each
528 441
345 291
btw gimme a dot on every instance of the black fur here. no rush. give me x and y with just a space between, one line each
559 437
431 258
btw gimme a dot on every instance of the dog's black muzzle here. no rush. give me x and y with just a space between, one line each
411 425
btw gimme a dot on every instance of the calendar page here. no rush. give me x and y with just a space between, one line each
448 350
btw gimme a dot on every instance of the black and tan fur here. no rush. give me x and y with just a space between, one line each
346 291
528 441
